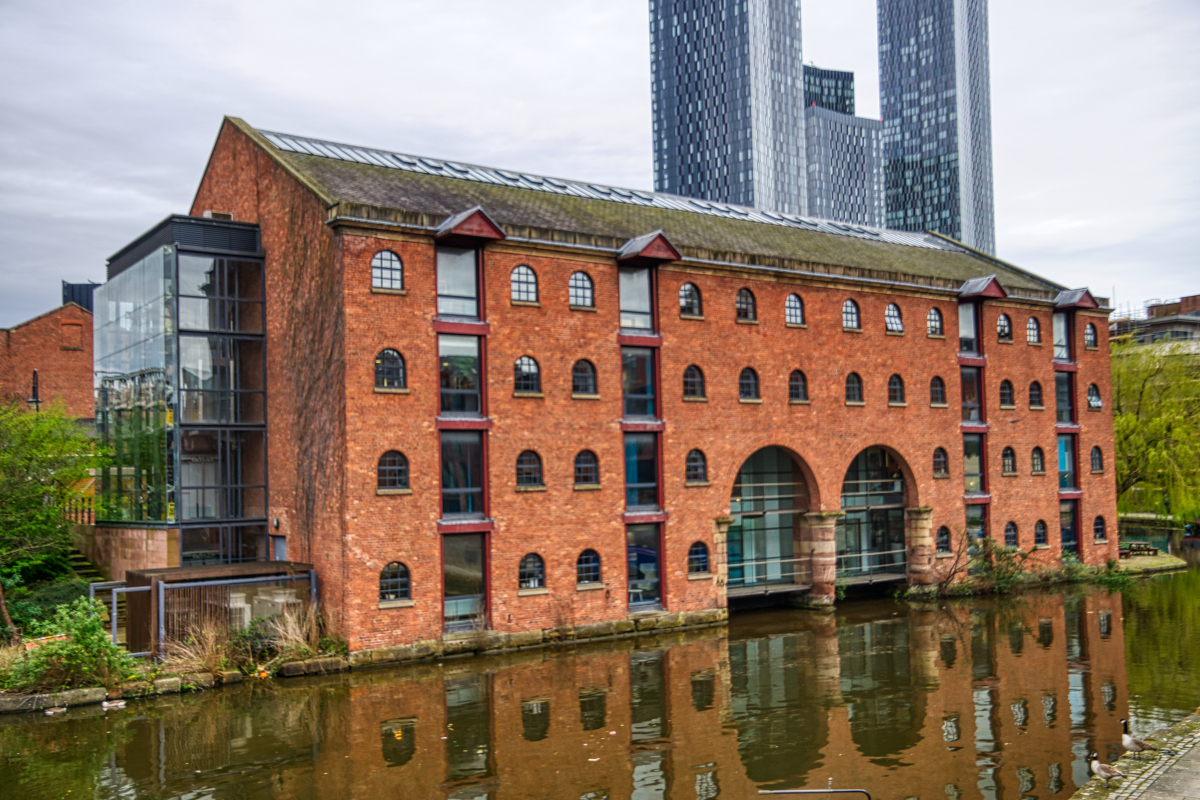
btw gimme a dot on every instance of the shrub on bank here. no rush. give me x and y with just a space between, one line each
75 651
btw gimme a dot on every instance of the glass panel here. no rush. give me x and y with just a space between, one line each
870 536
1062 339
462 560
642 552
635 298
458 358
457 291
648 697
1066 462
637 381
462 473
468 717
641 470
1068 513
976 521
972 402
973 462
966 328
1064 398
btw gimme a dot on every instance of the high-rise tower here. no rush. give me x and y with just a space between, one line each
729 101
937 123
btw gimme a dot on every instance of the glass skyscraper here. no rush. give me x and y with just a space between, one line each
937 126
845 167
729 101
829 88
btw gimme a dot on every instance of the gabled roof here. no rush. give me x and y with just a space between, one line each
650 247
395 188
474 223
1075 298
986 286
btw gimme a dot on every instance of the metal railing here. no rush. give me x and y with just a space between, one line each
852 565
116 588
786 575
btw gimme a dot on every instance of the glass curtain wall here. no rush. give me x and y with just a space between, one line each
769 495
870 536
463 581
642 553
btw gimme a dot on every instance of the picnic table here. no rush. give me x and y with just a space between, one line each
1129 549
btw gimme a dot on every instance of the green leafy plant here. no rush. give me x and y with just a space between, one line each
77 652
1002 568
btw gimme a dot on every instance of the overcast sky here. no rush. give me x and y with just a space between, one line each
108 112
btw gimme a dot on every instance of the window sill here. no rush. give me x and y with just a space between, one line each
1008 408
941 476
799 402
939 405
531 395
532 592
1041 547
795 325
746 321
591 309
1038 473
700 576
584 396
526 303
1008 474
695 399
377 290
1095 409
696 484
1034 344
894 333
944 555
396 604
1100 541
1004 341
750 400
531 488
855 403
71 348
1097 472
897 405
1037 408
935 336
694 317
383 390
588 587
386 492
851 330
1091 348
587 487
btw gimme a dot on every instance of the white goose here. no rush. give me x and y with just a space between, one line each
1132 743
1103 771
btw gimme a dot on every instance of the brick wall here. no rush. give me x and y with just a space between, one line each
58 344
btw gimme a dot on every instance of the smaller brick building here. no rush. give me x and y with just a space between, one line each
58 344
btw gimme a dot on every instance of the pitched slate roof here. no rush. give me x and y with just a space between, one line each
368 183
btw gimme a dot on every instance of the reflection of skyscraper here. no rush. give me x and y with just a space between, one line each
728 100
936 106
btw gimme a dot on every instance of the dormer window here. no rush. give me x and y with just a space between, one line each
1062 337
636 307
968 335
457 287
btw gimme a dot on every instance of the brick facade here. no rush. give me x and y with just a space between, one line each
328 425
58 344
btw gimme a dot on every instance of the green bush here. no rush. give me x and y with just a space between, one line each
29 606
86 657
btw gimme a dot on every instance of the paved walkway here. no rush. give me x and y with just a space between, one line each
1159 777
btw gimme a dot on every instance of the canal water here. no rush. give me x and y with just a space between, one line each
975 698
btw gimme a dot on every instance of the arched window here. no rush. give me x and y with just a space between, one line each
933 322
1006 394
697 467
1100 530
892 319
1097 460
693 382
392 471
394 583
1010 535
389 370
583 377
850 315
937 392
1094 400
941 462
1089 335
587 567
532 572
943 539
854 388
1008 461
1037 461
524 285
689 301
1004 328
587 469
526 377
1033 331
579 291
386 271
698 558
793 310
748 384
529 469
1039 533
1035 395
895 389
746 309
798 387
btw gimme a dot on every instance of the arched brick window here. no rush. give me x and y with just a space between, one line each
526 375
895 389
793 310
748 384
524 285
394 583
386 271
696 468
579 291
1004 328
937 392
531 574
854 388
1033 331
745 306
798 387
690 304
1035 395
698 558
587 469
583 377
850 316
587 567
1006 394
529 469
933 322
1037 461
943 539
693 382
1008 461
1011 539
389 370
941 462
392 471
892 319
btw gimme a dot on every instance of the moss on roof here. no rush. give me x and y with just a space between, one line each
696 235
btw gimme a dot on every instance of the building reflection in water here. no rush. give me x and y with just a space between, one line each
960 700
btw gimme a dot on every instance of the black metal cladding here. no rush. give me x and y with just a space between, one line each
78 293
193 233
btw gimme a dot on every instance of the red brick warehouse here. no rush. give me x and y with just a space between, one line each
508 402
